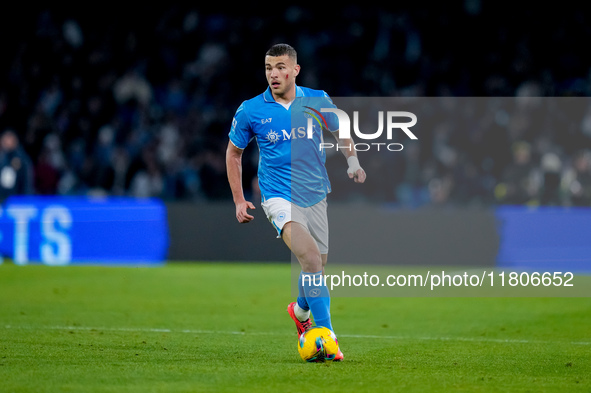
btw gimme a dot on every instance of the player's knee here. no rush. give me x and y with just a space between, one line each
311 261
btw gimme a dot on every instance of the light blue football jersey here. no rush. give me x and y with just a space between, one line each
291 161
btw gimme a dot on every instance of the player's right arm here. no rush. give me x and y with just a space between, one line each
240 135
234 170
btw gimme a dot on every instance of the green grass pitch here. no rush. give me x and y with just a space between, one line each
222 327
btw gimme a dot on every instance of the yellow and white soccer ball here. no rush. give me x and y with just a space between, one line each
318 345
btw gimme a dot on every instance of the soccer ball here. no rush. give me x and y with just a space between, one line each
318 345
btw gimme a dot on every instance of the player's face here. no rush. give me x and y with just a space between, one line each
281 72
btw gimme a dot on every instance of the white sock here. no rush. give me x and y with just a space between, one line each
301 314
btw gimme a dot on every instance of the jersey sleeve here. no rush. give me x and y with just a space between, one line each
332 119
241 131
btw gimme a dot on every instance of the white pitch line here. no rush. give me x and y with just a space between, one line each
364 336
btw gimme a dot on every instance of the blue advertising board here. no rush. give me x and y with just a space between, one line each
545 238
83 230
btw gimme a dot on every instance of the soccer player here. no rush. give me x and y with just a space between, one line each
297 209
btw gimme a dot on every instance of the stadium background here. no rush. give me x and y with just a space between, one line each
137 101
115 102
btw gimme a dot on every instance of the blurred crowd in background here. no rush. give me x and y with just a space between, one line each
138 102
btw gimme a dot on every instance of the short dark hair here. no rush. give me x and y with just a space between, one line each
282 49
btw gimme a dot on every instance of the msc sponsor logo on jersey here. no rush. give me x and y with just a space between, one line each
295 133
272 136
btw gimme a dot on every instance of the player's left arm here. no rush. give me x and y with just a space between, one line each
347 147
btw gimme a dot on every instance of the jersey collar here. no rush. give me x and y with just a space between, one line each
268 96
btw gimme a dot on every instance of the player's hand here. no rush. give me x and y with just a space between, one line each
358 176
242 212
355 171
